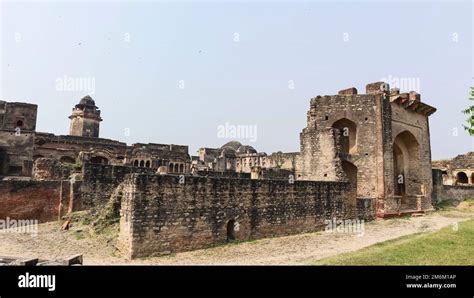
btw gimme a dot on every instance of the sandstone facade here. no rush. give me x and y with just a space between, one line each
361 156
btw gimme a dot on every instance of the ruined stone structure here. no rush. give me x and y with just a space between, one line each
161 215
17 127
12 261
458 170
379 141
453 179
235 157
21 145
361 156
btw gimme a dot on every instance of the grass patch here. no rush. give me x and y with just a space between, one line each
73 166
444 247
81 217
444 205
79 235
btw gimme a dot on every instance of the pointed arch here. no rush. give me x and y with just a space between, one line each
348 136
406 161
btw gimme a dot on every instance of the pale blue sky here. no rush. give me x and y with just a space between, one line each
242 83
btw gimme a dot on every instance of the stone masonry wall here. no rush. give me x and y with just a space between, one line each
159 215
318 160
33 200
99 182
449 192
48 200
364 111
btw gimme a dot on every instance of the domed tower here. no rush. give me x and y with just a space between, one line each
85 119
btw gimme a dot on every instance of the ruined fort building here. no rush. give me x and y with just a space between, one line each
17 127
379 139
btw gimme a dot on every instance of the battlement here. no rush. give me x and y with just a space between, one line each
408 100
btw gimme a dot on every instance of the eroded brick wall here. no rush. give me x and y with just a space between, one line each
34 200
160 216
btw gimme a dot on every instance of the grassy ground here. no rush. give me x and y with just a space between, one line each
449 246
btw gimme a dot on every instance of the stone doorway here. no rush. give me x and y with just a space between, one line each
406 160
231 230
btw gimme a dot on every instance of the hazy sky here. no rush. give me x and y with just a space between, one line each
166 72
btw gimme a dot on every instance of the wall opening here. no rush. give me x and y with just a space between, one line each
135 163
142 163
406 161
351 173
3 161
147 164
348 135
231 230
461 177
171 168
99 160
398 170
67 159
15 170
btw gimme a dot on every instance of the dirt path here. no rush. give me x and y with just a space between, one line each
51 243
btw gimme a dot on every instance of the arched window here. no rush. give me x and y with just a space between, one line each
171 168
142 163
135 163
181 168
99 160
462 178
19 123
147 164
176 168
348 135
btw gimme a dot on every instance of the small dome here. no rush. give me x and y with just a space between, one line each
87 101
233 144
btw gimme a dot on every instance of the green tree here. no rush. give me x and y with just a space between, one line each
470 111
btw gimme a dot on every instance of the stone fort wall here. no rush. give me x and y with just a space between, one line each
49 199
34 200
455 193
161 214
